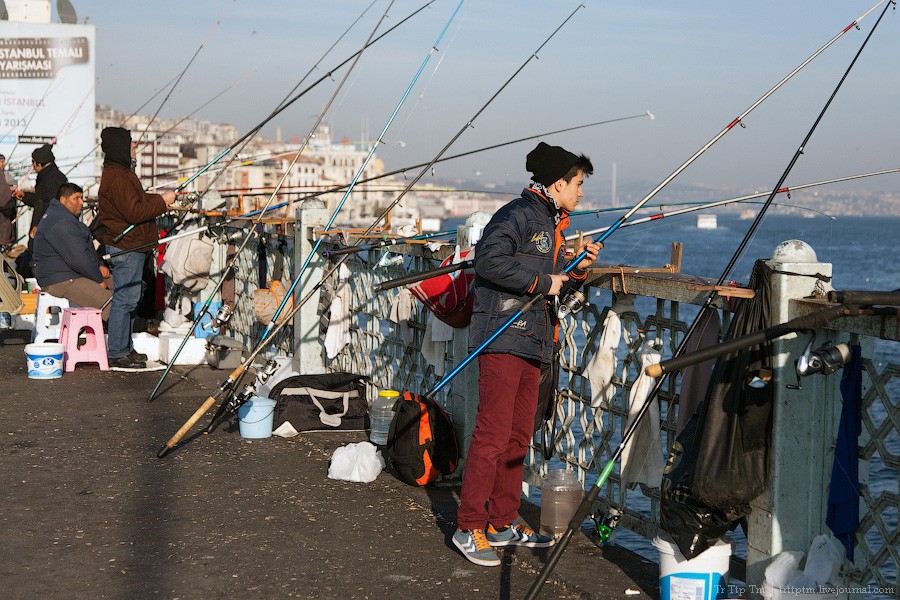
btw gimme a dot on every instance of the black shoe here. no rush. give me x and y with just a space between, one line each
135 355
126 362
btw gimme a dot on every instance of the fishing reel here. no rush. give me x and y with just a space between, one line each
267 371
826 360
571 304
238 399
606 523
223 315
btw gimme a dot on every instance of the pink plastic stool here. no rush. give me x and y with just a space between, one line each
74 320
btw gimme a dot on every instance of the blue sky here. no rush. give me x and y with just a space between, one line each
695 65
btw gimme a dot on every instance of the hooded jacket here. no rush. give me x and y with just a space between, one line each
521 246
122 200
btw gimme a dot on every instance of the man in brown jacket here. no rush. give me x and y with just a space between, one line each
124 203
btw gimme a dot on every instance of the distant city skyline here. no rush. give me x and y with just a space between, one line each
695 66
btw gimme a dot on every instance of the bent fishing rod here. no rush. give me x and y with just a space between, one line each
285 104
235 376
587 503
252 230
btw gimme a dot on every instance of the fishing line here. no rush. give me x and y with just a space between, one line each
588 501
188 66
254 229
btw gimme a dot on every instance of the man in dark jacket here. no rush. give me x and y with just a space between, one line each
65 261
520 255
47 183
126 210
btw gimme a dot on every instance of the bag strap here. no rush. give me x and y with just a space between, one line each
332 420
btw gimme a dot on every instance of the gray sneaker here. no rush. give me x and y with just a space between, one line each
518 534
474 546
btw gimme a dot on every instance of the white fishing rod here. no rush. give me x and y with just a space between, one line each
681 211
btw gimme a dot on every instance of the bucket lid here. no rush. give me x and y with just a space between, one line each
44 348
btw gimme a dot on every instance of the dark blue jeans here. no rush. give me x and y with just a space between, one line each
127 272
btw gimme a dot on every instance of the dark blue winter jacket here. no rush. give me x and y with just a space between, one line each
519 249
63 248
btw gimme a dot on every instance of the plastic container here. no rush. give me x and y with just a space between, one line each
704 577
256 416
45 361
381 413
561 493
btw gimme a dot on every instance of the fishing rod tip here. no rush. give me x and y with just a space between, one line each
650 114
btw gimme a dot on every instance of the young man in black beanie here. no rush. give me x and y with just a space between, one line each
521 254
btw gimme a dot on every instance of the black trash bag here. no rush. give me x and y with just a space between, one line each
719 461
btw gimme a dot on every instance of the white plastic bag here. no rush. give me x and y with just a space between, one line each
360 462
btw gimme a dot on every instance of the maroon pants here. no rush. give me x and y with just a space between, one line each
492 482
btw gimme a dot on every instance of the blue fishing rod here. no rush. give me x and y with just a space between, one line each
287 171
226 386
587 503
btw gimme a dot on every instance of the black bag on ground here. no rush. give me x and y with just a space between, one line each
328 402
421 442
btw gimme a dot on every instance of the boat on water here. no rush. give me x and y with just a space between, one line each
747 214
707 221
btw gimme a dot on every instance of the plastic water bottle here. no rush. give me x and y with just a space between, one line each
381 413
561 493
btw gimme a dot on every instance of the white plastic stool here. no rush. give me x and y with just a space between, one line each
47 317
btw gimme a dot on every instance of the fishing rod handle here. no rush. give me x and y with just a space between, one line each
807 322
416 277
858 297
186 427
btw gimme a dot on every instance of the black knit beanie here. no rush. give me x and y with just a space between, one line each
43 155
549 163
116 145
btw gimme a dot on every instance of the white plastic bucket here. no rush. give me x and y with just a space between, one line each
256 416
44 361
704 577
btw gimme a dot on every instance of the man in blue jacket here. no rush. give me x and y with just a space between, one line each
66 263
521 254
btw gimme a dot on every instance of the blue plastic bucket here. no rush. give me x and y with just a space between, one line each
256 416
45 361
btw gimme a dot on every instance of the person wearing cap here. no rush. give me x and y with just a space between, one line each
521 254
47 182
7 208
123 203
65 261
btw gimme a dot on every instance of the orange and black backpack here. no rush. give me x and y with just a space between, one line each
421 442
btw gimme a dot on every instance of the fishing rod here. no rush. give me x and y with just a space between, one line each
385 242
239 372
252 230
809 322
784 190
186 67
285 104
232 379
586 504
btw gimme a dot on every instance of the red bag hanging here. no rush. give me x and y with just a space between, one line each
449 296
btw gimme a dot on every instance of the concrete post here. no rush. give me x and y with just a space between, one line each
308 355
792 511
